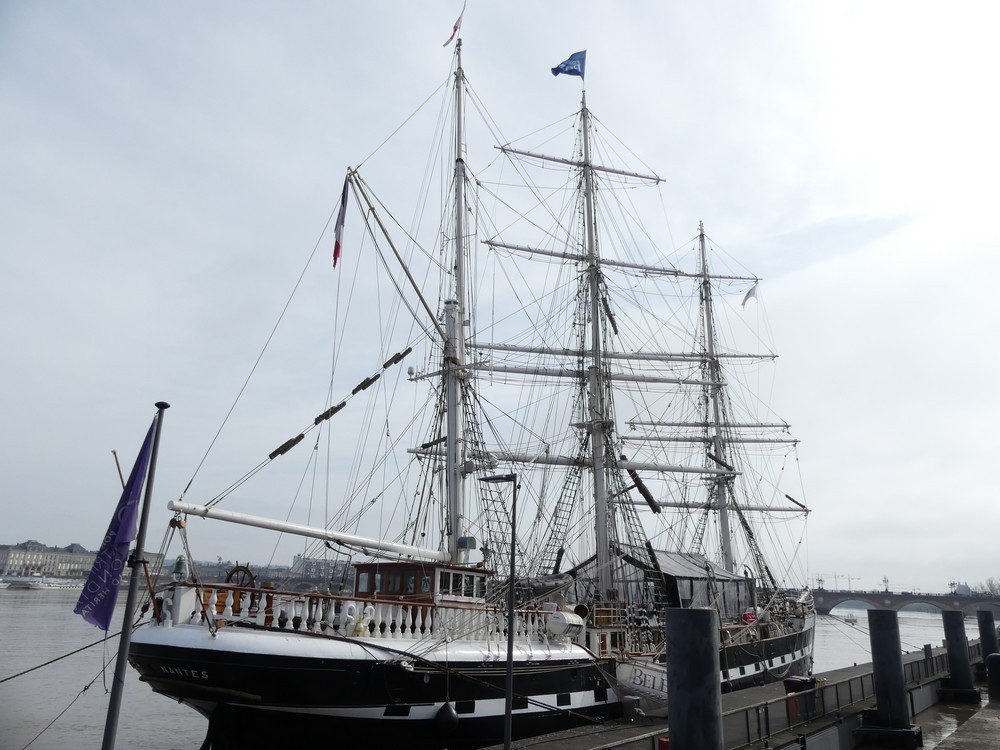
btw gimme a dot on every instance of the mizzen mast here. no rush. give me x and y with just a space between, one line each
715 401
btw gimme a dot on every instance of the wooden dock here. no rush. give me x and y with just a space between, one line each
766 716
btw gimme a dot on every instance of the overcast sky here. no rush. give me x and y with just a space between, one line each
166 168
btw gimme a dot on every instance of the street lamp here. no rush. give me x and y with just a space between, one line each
509 697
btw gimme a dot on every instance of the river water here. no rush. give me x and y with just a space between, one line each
66 702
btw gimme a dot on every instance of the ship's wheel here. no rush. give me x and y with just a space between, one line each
240 575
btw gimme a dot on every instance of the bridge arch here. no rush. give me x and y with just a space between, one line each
827 600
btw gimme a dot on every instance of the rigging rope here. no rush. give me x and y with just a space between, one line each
284 310
83 690
260 355
59 658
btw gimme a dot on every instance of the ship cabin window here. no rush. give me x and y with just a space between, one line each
461 583
453 583
395 580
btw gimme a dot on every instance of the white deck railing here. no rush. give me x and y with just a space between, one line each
216 605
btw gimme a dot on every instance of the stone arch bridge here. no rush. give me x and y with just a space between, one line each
827 600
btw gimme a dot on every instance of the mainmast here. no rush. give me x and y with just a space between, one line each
598 416
454 351
714 392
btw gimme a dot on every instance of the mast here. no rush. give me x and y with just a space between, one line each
595 380
454 352
714 391
135 563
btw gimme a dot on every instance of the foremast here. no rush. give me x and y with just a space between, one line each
454 370
455 547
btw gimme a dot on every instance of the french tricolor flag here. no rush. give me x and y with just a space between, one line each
338 232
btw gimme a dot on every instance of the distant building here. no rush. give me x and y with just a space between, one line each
32 558
319 569
216 571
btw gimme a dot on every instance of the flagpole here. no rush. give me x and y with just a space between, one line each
118 684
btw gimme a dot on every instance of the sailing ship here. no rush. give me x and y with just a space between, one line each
584 464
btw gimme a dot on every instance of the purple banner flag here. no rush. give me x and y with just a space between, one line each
97 602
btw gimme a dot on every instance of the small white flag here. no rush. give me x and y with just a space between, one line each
752 294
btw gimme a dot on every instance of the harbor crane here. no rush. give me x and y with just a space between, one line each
836 580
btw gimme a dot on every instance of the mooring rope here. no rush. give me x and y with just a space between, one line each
82 691
59 658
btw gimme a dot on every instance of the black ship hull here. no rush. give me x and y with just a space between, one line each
372 691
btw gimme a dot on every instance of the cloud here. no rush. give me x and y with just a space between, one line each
169 170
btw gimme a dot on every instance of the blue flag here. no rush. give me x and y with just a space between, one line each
97 602
573 65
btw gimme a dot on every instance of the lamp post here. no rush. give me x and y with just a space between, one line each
509 696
